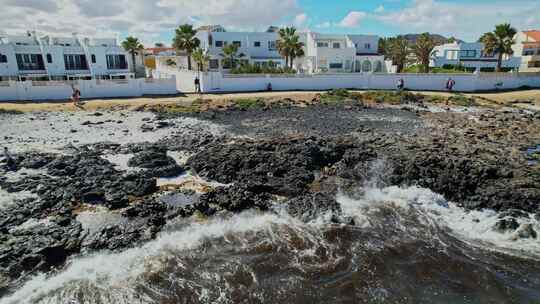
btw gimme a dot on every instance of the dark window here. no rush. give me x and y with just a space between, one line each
3 58
336 65
367 46
219 43
272 45
75 62
214 64
49 58
30 62
467 54
257 44
116 62
93 58
322 44
336 45
528 52
237 43
534 64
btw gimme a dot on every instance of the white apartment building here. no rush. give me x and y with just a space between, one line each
44 57
323 52
340 54
527 46
469 55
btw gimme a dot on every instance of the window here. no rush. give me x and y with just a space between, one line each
322 44
367 46
534 64
116 62
336 65
336 45
272 45
378 67
467 53
30 62
75 62
528 52
452 55
3 58
257 44
93 58
237 43
487 54
226 63
49 58
214 64
366 66
219 43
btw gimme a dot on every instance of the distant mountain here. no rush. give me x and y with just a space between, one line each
439 39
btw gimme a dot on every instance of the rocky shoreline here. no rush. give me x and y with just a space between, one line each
300 157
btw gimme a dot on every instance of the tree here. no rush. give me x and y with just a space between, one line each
230 52
423 49
132 46
382 47
451 40
201 58
398 50
289 45
185 40
499 42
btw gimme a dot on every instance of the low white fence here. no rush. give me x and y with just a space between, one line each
95 88
218 82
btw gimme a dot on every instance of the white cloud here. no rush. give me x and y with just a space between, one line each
352 19
379 9
465 21
145 19
300 20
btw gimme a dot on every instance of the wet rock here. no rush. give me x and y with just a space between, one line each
525 231
38 246
504 225
157 161
311 206
235 198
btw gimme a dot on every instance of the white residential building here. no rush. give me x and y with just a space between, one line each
469 55
34 57
340 53
527 46
323 52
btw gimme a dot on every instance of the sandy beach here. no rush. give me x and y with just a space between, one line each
525 98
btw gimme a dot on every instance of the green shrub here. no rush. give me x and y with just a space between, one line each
14 112
462 100
248 103
247 68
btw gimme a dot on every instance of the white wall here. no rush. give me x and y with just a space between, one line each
61 90
218 82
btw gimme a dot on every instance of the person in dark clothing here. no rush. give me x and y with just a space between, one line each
10 162
400 84
269 87
197 82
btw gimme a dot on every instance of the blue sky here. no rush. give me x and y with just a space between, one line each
155 20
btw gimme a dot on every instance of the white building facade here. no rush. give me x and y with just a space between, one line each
323 53
45 57
527 46
469 55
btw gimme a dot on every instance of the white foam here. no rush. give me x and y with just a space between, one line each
473 225
111 271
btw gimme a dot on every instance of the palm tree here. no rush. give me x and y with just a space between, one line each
185 40
296 49
499 42
423 49
382 47
132 46
398 50
230 52
284 42
201 58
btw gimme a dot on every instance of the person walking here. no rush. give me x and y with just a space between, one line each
197 82
450 83
75 95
